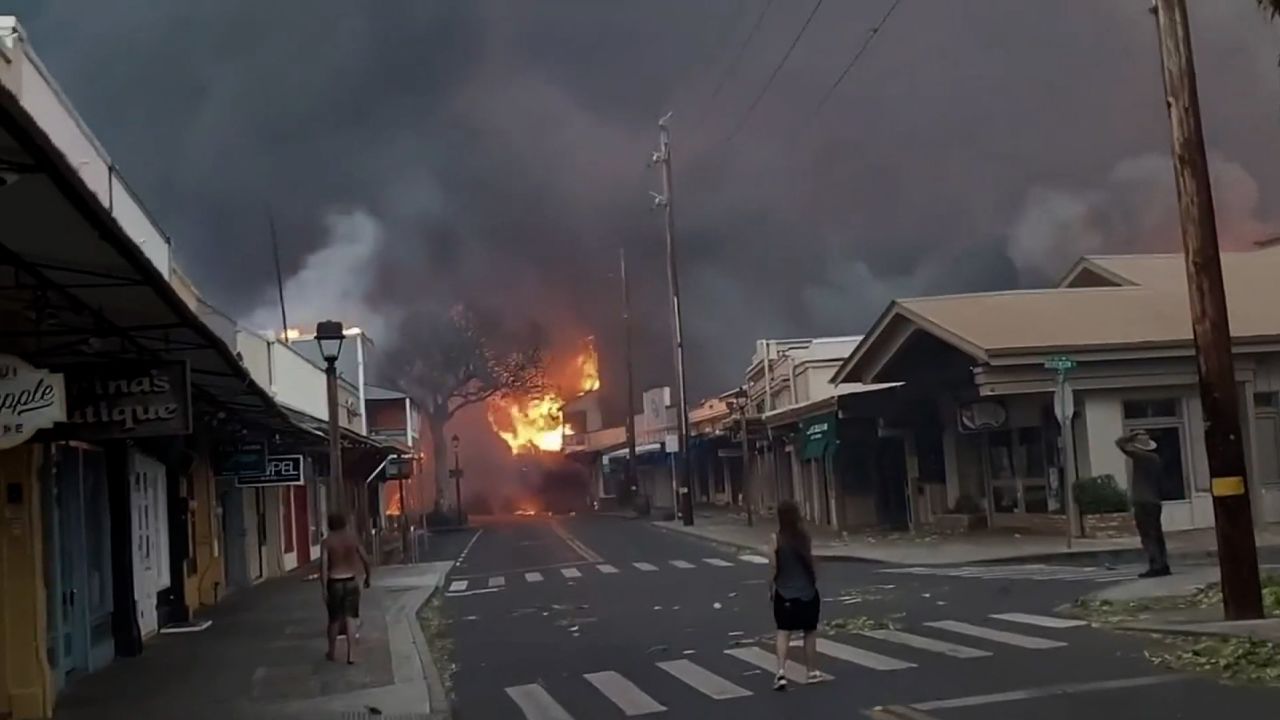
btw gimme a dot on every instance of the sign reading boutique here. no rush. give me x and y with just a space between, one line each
30 400
127 399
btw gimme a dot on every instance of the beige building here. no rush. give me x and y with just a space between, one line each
978 404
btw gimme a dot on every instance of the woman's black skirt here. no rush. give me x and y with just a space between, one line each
793 614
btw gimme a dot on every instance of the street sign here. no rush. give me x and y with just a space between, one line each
1061 363
1064 403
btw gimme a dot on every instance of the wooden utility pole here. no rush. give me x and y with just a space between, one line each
632 484
1237 552
662 158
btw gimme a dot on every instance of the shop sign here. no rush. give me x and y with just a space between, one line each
281 470
399 467
128 400
982 415
30 399
248 457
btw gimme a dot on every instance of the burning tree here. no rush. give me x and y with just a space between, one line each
459 363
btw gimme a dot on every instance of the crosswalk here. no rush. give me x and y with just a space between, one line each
1024 572
742 671
468 586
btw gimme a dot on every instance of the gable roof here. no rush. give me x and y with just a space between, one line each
1145 305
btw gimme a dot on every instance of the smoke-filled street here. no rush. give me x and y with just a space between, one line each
580 360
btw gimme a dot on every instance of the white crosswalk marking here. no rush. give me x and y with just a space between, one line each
607 569
647 567
624 693
756 559
681 564
537 704
457 586
858 656
1040 620
570 572
1000 636
929 644
717 562
497 581
533 577
795 672
703 680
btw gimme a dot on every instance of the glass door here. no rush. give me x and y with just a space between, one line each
1016 473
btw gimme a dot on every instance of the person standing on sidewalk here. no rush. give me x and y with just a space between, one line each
341 559
1144 490
793 590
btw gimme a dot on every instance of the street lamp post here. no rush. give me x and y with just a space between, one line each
456 474
741 399
329 337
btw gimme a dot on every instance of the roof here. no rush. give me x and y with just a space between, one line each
1126 301
373 392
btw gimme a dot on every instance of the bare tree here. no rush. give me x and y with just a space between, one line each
458 362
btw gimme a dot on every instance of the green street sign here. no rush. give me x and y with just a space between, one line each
1061 363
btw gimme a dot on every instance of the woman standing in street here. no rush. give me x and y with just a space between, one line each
793 589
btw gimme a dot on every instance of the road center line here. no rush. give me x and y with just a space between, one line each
1048 691
577 546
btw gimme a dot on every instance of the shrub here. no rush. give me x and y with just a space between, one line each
1101 494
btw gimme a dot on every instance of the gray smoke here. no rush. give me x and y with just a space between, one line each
499 148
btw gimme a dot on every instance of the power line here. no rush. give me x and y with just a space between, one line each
871 35
733 65
778 68
741 50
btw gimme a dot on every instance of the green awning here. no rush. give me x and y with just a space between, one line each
819 434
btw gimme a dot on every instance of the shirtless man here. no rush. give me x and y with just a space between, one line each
341 558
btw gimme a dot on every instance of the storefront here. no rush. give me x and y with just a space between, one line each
815 492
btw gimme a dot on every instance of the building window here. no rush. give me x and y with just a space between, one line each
1266 436
1162 420
1152 409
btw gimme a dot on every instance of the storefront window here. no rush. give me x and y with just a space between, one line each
1162 420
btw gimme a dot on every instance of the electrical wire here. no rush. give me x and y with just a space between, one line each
871 35
746 117
730 68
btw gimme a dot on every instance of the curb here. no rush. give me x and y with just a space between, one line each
441 709
723 545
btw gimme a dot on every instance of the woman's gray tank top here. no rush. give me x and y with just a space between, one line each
793 581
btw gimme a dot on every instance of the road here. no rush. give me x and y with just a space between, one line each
585 618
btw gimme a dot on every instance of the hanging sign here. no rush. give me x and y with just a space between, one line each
127 400
30 400
247 457
281 470
982 415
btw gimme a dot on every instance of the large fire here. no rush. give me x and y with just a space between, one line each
529 424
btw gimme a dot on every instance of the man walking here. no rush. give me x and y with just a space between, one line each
1144 489
341 558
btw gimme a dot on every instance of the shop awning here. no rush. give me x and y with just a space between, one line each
819 434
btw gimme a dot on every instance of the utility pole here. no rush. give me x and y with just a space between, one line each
662 158
743 399
1237 552
630 479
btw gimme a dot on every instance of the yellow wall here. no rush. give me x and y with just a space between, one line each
208 551
26 688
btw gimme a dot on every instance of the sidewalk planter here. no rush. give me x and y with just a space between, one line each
1106 525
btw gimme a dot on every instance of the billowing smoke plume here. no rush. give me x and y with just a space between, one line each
500 144
334 281
1134 210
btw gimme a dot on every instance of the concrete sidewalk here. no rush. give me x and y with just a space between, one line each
1157 601
728 528
263 657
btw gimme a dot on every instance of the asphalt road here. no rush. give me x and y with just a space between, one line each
589 617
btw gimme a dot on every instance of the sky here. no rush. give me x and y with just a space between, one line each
413 154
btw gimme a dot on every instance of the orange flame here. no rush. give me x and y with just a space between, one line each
529 424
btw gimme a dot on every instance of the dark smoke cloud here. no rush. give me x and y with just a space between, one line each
494 151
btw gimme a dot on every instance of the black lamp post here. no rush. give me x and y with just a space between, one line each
329 337
457 478
740 398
